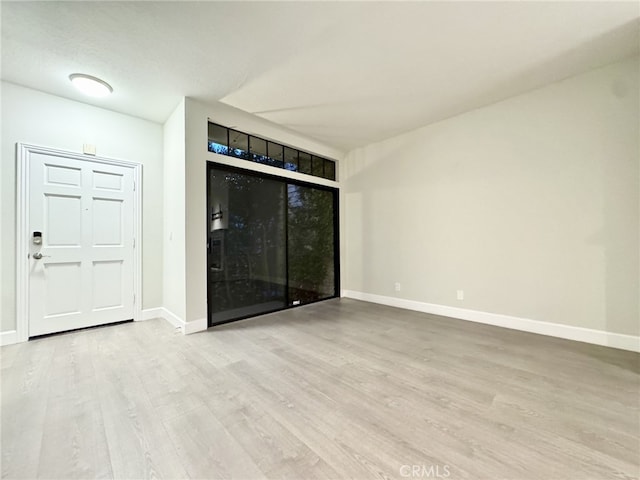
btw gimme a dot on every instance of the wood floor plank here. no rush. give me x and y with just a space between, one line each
337 389
207 449
24 390
139 446
73 439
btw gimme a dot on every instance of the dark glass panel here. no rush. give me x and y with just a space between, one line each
258 149
276 155
304 163
238 144
311 244
329 169
247 245
218 140
291 159
317 166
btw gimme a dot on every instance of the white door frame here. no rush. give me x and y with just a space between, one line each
23 235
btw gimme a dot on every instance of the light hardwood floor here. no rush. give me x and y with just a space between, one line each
339 389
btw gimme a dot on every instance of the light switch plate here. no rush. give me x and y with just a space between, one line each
88 149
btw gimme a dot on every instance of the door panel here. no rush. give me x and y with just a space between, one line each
107 181
105 275
107 222
69 232
62 282
57 174
85 211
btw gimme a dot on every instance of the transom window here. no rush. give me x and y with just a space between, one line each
227 141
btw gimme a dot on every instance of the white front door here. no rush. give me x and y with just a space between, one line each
82 272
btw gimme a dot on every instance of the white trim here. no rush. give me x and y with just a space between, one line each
8 338
580 334
169 316
173 319
151 313
186 328
195 326
23 151
22 237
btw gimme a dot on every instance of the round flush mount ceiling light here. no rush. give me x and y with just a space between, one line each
92 86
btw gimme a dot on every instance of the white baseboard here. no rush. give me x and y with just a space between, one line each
186 328
196 326
168 315
150 313
587 335
8 338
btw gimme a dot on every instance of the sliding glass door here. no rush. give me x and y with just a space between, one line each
311 241
272 243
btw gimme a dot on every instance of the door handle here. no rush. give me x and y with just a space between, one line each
38 255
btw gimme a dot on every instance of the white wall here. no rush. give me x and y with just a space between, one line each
174 283
197 115
530 205
30 116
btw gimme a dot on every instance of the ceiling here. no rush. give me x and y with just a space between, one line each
345 73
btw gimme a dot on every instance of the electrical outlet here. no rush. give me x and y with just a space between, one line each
460 294
397 286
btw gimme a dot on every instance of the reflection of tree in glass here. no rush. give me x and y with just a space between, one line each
311 249
217 148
